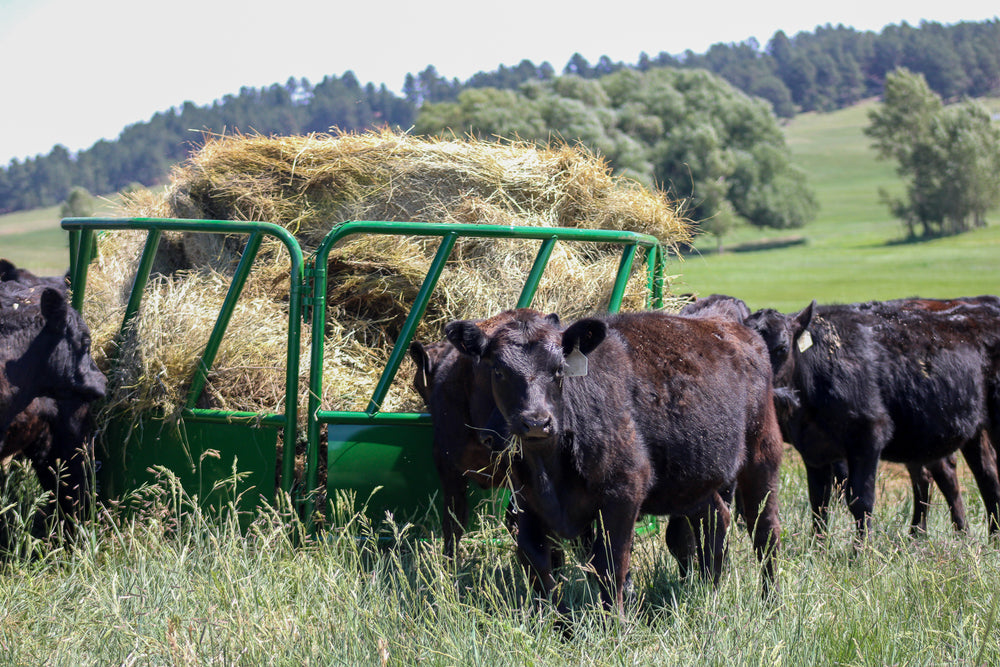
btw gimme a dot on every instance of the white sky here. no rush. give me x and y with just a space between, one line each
76 71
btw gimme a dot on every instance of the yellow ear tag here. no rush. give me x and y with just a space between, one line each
576 363
805 341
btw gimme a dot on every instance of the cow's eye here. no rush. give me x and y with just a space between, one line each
498 373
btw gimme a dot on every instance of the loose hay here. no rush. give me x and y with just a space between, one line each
311 184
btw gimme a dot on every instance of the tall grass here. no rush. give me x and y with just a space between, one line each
171 585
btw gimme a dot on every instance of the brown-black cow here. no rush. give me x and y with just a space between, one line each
460 404
47 381
911 381
627 414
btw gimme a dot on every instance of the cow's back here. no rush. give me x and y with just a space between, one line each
941 366
698 385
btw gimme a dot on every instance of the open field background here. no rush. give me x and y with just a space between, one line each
164 588
852 250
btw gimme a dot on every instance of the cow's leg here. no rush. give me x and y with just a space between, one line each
862 469
534 550
758 487
945 474
682 543
820 481
612 553
982 460
713 535
456 508
65 468
920 482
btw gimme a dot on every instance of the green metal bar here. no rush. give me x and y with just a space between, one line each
659 260
621 280
79 277
225 315
141 277
485 231
350 417
319 284
230 416
535 275
74 249
412 320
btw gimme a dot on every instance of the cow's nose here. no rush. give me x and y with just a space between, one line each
536 426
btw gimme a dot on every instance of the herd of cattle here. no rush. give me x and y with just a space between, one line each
596 422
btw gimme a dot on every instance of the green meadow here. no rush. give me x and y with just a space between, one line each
34 240
853 250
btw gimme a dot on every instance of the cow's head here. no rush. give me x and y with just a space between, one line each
528 356
428 359
439 362
57 362
782 334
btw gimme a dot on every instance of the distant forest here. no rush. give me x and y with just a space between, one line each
827 69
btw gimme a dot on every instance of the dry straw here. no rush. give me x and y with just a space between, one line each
309 185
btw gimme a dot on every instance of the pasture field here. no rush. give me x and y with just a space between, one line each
852 251
165 588
34 240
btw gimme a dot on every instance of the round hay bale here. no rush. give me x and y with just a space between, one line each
310 185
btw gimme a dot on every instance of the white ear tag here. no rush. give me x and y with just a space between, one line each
576 363
805 341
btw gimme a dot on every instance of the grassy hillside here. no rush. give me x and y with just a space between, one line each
34 240
852 250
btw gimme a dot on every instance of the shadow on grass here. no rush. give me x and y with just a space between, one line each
749 246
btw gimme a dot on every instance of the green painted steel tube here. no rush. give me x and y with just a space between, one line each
74 248
535 275
412 320
141 277
296 282
319 284
231 416
79 277
225 315
621 279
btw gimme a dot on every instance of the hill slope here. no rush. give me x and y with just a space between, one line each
852 251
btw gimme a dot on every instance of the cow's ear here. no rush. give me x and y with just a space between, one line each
7 270
54 308
419 356
467 337
586 335
552 319
803 319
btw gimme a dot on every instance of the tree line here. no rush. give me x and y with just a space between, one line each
706 159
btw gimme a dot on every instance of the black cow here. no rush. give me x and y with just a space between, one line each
627 414
460 403
717 305
47 382
911 381
55 436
